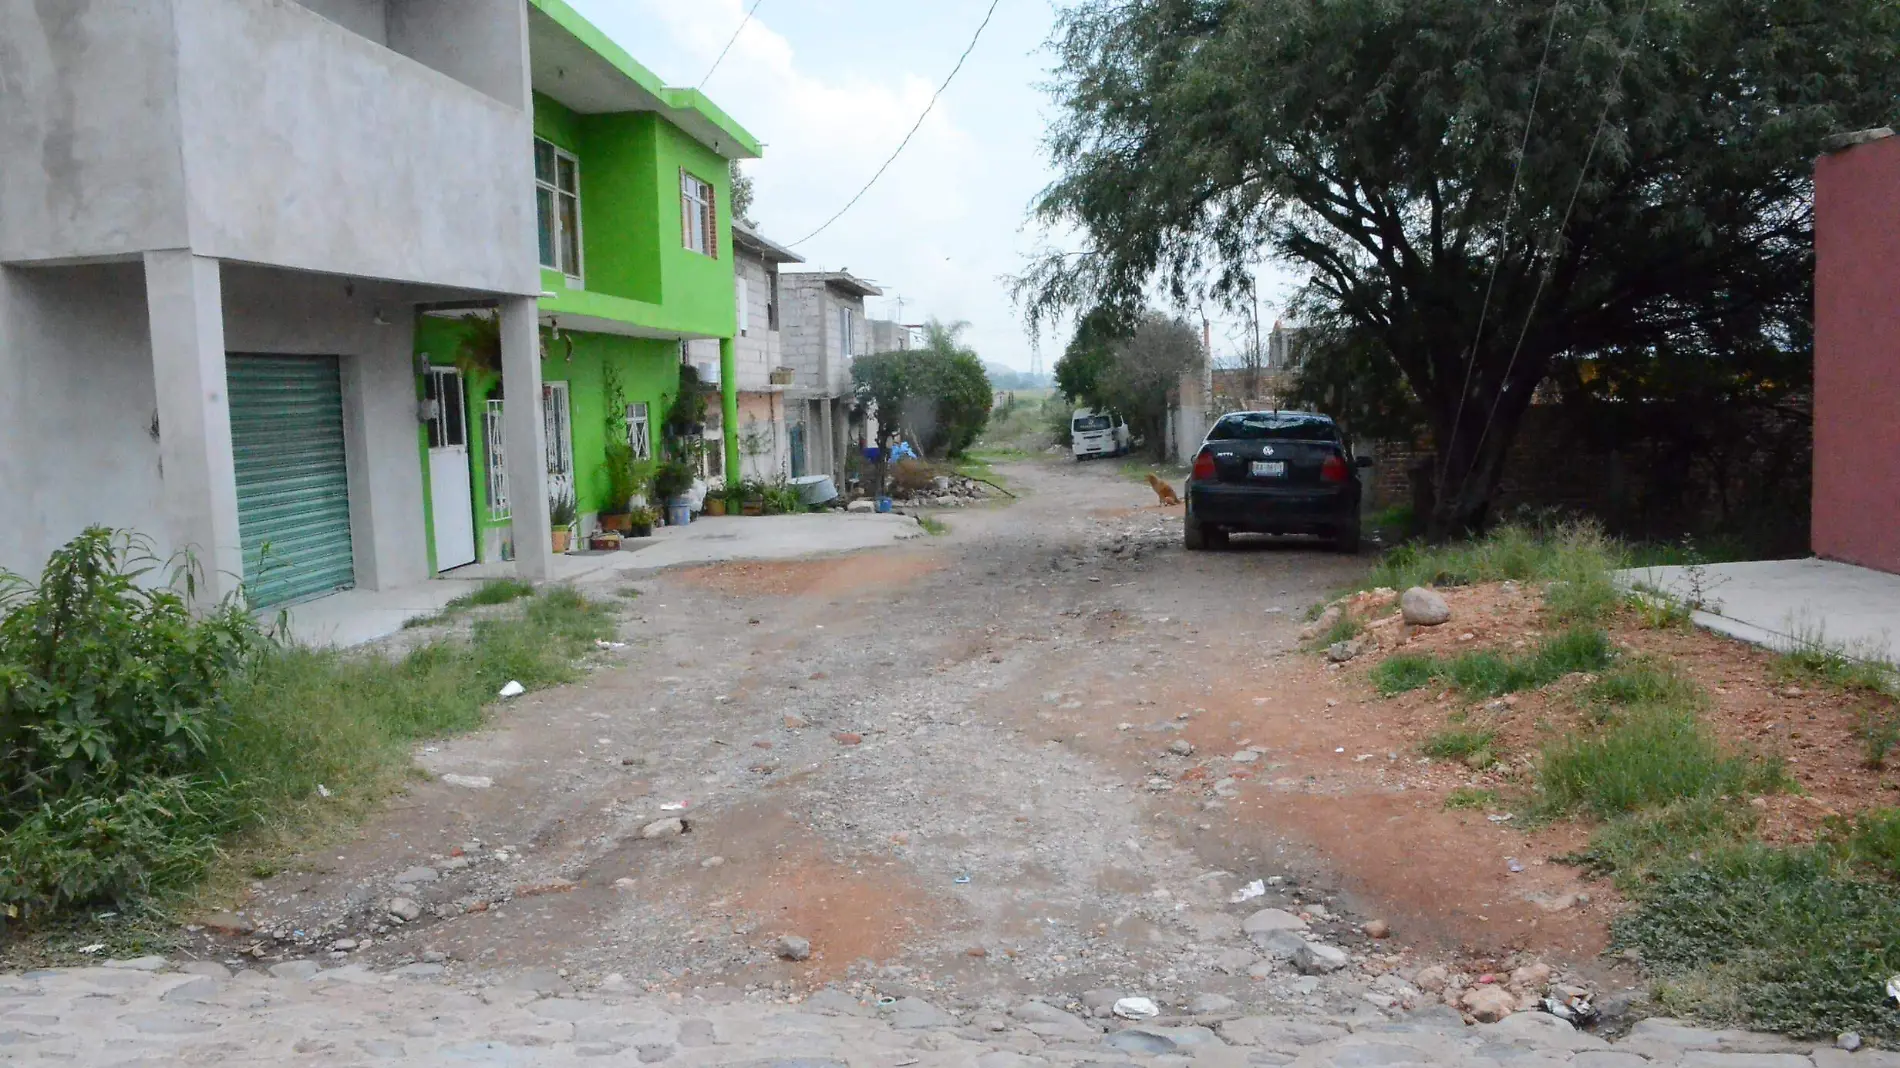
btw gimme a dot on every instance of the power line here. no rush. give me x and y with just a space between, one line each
1504 232
913 130
1543 278
729 43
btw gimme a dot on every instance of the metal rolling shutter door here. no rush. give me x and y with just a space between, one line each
292 484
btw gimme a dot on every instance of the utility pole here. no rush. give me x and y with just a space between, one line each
1254 354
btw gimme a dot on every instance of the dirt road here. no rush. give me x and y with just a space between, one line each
1037 754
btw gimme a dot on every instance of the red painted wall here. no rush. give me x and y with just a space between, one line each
1857 355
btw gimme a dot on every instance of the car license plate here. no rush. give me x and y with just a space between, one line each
1269 468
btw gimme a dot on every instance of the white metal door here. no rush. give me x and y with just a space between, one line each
451 498
560 440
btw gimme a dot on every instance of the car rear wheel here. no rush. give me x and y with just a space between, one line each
1347 539
1194 536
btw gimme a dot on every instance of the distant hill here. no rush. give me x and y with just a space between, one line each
1008 378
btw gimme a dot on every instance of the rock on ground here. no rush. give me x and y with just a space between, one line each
1424 608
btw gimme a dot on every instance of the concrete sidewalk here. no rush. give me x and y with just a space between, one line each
353 617
1782 604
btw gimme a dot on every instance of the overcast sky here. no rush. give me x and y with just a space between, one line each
830 87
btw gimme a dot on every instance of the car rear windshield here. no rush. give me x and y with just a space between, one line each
1092 422
1274 426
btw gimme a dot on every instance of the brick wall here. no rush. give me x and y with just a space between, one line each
1750 487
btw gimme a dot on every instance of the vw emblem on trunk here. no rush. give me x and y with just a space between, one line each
1266 450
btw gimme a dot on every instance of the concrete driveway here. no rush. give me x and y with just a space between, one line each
1783 604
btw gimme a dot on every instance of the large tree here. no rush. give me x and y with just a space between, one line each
937 394
1479 192
1129 368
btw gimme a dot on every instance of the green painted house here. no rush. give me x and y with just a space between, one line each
635 244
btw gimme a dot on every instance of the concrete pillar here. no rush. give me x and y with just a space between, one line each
828 450
184 303
524 438
729 408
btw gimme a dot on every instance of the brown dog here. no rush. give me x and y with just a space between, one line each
1163 491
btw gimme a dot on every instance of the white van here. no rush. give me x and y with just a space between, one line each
1093 433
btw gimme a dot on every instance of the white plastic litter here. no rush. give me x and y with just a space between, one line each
513 689
1257 888
673 806
94 948
602 644
322 790
1893 988
1137 1009
1499 817
469 782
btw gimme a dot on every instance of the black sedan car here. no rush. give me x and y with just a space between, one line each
1274 473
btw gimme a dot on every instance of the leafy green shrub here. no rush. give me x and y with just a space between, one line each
146 837
1778 940
1648 757
1404 671
105 680
135 737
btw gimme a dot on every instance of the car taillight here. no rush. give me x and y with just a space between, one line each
1203 465
1334 470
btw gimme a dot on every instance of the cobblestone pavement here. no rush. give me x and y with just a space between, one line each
145 1013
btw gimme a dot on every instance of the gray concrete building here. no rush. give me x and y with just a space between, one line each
765 443
823 327
219 220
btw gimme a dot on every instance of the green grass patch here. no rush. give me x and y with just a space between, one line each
1784 940
1484 673
1635 847
1870 841
932 525
1641 681
1648 757
1878 728
1343 629
1473 797
1474 747
1815 661
492 592
1403 672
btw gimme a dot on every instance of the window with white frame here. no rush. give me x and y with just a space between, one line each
497 462
639 433
844 332
557 208
699 215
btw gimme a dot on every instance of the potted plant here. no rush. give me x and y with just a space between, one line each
752 495
781 498
640 521
715 503
561 517
671 480
625 474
